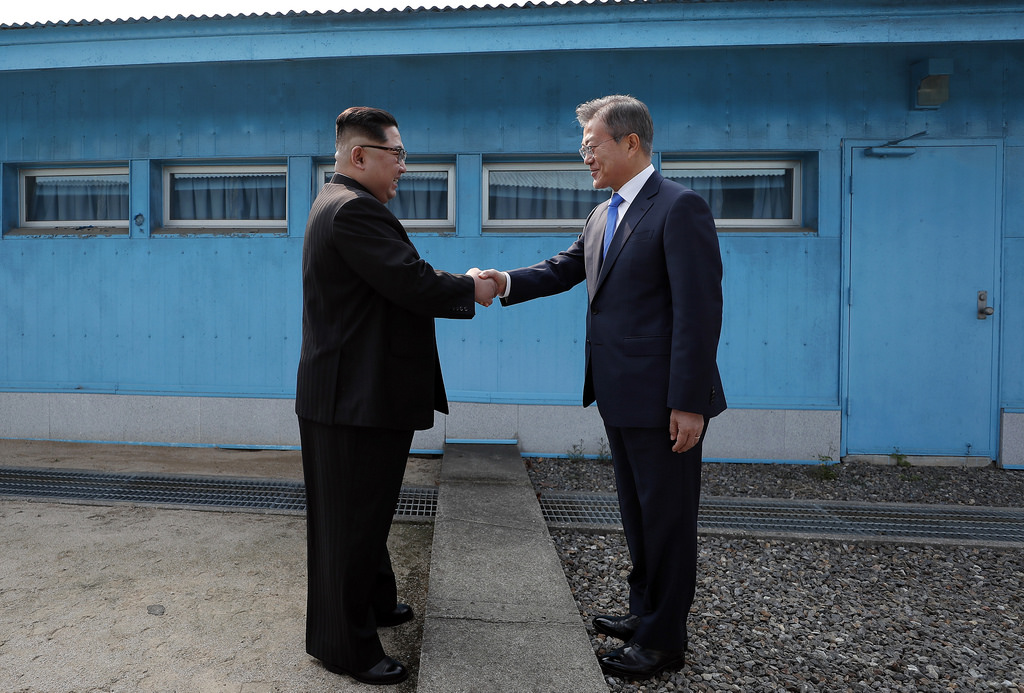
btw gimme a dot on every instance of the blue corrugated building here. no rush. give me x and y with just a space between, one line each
864 159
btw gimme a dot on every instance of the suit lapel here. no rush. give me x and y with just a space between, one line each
637 209
593 239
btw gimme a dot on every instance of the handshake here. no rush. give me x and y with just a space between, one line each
490 284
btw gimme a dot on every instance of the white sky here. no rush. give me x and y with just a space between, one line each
27 11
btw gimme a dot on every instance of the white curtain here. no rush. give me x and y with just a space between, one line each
541 195
228 197
421 195
772 199
77 198
741 194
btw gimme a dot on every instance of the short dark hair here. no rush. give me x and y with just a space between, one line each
369 122
622 115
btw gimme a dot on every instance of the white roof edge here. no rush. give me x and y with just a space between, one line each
391 32
408 9
962 8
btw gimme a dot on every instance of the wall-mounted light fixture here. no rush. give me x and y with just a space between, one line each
929 83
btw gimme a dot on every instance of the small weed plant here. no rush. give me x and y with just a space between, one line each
576 452
827 458
900 459
904 464
823 472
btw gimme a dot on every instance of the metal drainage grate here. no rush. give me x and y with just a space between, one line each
246 494
574 508
957 523
416 502
814 518
757 516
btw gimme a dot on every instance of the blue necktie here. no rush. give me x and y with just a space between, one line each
613 215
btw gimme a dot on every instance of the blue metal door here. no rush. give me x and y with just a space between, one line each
922 268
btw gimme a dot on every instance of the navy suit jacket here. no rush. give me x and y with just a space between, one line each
369 354
654 306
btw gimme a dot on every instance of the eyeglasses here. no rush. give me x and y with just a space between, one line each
587 150
397 151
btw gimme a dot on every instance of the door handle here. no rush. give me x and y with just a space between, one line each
984 309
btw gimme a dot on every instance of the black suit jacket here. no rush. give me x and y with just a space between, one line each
369 354
654 313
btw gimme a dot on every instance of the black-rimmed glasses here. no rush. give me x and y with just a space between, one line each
397 151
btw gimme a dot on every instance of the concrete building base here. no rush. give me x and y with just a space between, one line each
740 435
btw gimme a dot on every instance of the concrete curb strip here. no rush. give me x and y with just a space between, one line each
500 616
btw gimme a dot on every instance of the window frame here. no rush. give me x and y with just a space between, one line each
325 170
220 225
794 223
78 227
537 225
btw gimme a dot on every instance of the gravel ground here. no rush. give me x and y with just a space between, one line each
821 615
847 481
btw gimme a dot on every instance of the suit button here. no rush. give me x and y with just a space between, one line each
594 311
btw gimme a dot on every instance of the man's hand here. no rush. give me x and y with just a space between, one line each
684 428
486 287
497 277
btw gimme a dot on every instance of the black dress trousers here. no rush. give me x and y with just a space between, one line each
353 478
659 497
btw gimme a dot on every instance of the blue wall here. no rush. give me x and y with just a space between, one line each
141 315
221 315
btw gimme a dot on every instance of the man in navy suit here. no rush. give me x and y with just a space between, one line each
654 316
369 375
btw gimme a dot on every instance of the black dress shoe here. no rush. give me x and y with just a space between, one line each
384 673
400 614
636 662
621 627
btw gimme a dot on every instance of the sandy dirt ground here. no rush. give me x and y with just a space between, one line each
112 598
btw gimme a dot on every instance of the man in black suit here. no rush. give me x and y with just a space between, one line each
368 377
654 315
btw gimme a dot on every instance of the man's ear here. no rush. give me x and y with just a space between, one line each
633 141
355 158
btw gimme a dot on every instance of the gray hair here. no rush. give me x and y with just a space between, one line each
622 115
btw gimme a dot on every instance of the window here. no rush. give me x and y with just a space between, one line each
744 194
426 197
539 196
225 197
81 199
